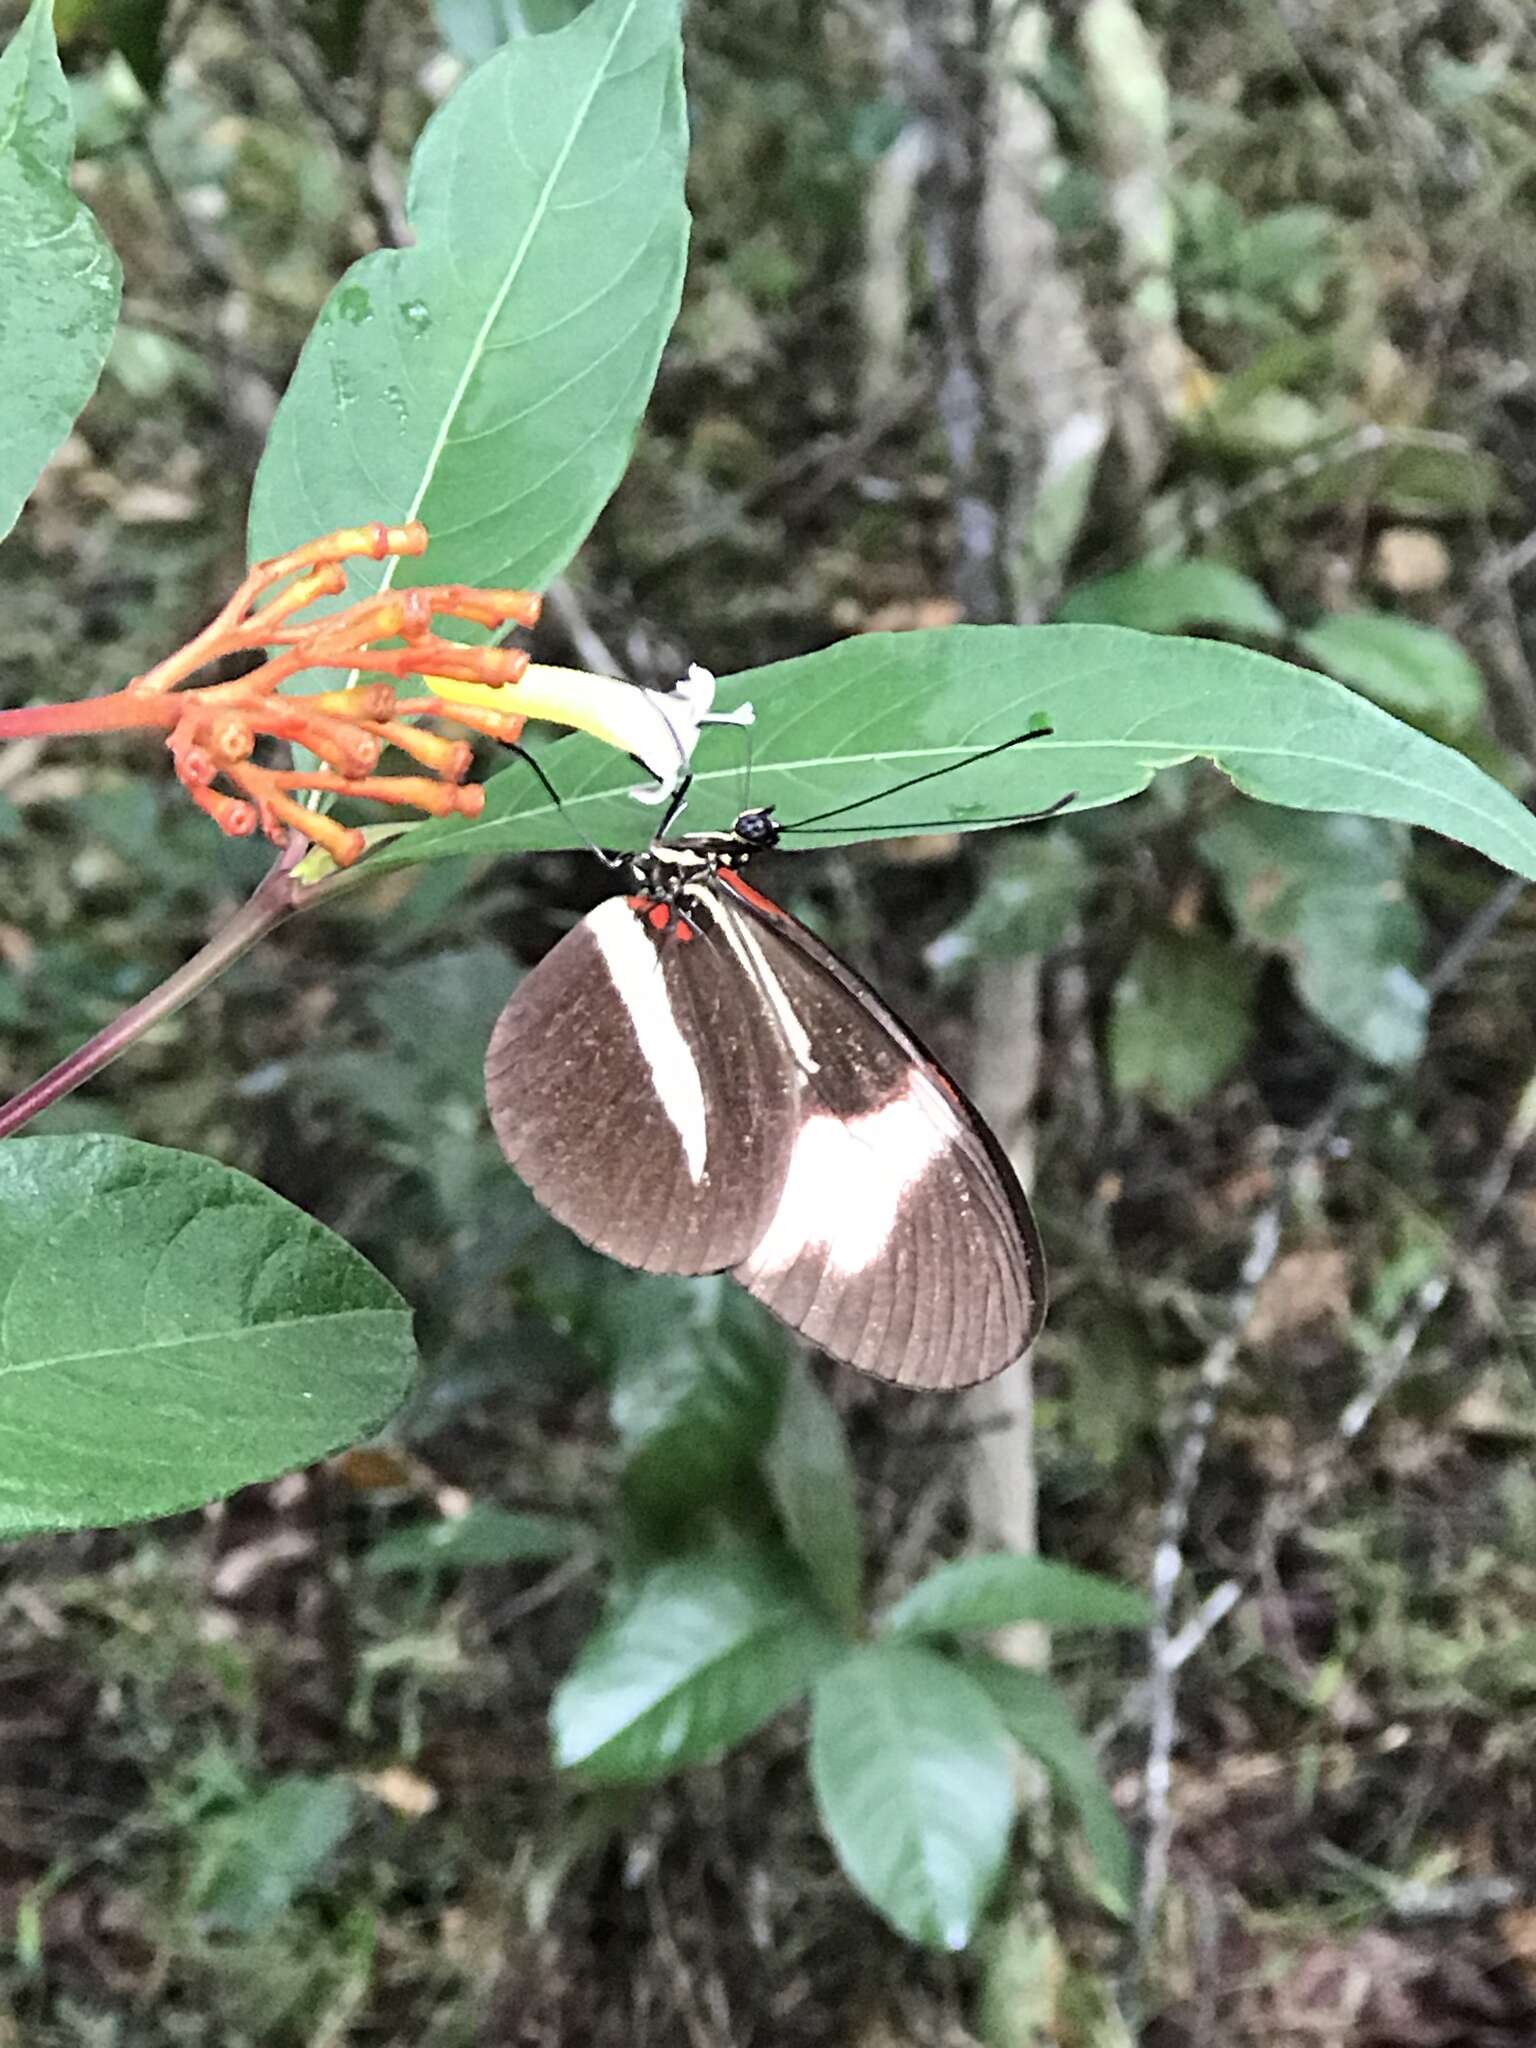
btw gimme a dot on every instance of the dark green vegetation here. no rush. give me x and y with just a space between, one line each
281 1774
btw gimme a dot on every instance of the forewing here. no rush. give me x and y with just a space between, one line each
632 1085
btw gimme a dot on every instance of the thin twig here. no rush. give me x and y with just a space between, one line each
1370 439
1211 1613
1392 1361
348 124
566 610
268 905
1474 934
1168 1570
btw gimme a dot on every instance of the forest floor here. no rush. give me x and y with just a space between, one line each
1354 1778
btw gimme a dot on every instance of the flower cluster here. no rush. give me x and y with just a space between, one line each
212 730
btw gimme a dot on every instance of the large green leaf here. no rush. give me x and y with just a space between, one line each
1037 1716
695 1401
474 28
252 1862
59 281
1416 671
998 1589
484 1534
35 109
169 1331
1329 895
1170 597
708 1649
810 1476
856 718
1029 897
489 379
1182 1018
914 1784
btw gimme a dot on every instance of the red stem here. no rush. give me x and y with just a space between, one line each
273 899
89 714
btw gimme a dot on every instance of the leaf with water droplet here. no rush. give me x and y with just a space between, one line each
533 305
59 299
352 304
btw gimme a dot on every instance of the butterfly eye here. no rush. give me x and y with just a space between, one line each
757 828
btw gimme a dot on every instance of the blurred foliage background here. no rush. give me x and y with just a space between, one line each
264 1779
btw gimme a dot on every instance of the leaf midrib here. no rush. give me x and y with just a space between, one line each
164 1346
493 312
897 756
896 1742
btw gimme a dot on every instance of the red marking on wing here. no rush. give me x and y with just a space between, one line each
729 879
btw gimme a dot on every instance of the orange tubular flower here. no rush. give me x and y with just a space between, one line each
212 731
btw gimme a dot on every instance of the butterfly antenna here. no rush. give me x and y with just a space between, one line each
609 860
1042 732
964 824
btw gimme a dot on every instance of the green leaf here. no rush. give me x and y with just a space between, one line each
173 1331
489 379
1419 673
474 29
1037 1716
810 1476
60 284
253 1862
1030 895
1182 1018
1328 895
1270 426
850 721
1110 1397
706 1650
998 1589
134 28
696 1403
485 1534
1171 597
35 108
914 1784
1408 479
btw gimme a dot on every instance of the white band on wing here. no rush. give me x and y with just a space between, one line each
630 957
847 1177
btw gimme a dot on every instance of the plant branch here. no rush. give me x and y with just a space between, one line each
1390 1363
270 903
349 126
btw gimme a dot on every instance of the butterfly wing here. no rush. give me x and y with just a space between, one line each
700 1085
900 1240
637 1094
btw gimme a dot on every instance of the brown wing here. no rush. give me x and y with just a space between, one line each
901 1241
633 1087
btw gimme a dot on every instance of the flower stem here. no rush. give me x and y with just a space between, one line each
273 899
122 710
